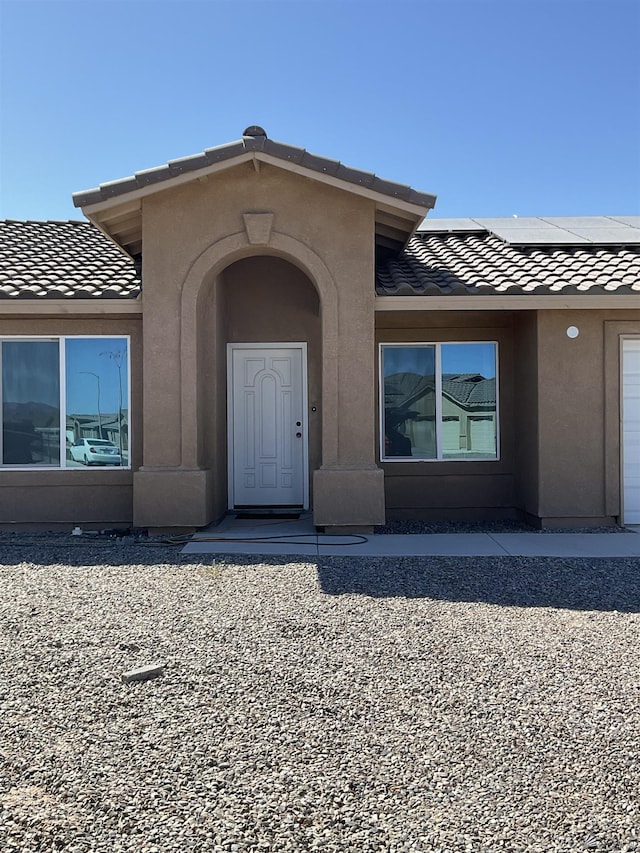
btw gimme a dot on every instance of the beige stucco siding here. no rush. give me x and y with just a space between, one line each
526 437
578 391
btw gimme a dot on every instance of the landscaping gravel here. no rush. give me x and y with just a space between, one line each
506 526
350 704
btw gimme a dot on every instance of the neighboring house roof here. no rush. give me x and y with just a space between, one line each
63 260
445 260
469 390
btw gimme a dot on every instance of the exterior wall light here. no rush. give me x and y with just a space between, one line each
573 332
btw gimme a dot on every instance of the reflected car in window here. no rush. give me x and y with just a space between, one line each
95 451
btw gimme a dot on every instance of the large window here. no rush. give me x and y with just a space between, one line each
438 401
65 402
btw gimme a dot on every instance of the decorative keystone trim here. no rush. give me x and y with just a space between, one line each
258 227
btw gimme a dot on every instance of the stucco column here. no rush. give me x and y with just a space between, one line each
168 491
348 490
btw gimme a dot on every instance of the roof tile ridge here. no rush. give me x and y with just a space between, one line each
10 221
252 145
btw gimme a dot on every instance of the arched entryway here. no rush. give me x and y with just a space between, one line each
260 286
261 408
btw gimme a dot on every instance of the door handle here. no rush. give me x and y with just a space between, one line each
298 435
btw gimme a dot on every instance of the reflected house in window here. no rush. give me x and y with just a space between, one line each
409 403
468 415
431 412
93 399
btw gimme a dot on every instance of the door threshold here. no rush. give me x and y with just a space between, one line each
267 514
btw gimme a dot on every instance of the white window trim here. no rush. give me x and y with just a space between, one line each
61 340
438 414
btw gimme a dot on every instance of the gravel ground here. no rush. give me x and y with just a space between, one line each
488 704
483 527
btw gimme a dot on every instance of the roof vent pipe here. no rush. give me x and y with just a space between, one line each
254 139
255 131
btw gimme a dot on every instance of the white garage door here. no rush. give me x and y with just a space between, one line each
450 435
483 437
631 430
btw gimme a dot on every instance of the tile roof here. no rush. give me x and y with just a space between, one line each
74 260
258 142
477 262
471 390
63 260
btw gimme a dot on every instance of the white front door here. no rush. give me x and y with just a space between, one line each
267 425
631 430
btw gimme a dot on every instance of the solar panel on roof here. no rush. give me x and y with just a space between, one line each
554 230
571 222
508 222
535 235
633 221
616 234
564 230
449 225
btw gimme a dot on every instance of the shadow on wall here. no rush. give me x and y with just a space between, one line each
574 584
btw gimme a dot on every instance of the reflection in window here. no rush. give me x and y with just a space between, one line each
45 420
439 401
410 401
97 393
469 400
30 403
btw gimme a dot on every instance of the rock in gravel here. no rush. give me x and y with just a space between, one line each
143 673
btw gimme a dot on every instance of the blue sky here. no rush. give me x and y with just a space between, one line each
456 358
90 361
32 368
500 107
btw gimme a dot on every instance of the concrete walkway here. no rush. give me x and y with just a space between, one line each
299 538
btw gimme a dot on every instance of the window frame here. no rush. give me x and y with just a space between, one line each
439 458
62 364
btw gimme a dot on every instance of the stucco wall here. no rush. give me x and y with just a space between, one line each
90 497
578 437
526 411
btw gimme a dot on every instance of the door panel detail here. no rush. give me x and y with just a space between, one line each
266 408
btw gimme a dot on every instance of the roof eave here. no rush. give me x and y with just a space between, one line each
95 306
506 302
